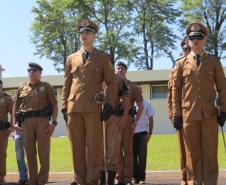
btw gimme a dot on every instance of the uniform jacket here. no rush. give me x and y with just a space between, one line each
83 81
136 95
195 87
33 97
6 105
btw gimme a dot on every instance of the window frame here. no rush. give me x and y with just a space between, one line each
151 91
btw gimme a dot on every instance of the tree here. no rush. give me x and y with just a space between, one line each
54 28
114 37
152 22
213 14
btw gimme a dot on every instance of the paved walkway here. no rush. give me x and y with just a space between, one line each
153 178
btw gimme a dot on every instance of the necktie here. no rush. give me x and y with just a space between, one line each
198 60
85 56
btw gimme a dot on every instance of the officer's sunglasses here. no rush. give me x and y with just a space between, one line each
195 38
185 47
32 70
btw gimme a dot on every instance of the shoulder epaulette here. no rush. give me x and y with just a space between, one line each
23 84
209 54
104 53
180 58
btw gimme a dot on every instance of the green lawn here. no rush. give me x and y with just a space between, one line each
162 154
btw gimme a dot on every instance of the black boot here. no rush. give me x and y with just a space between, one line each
102 178
111 177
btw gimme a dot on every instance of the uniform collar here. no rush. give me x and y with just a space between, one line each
94 51
192 59
194 54
82 50
35 84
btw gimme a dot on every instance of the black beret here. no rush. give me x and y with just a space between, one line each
122 64
34 65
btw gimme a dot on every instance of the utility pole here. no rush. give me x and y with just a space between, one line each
1 69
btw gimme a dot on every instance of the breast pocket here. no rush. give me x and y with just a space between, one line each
96 73
187 76
210 75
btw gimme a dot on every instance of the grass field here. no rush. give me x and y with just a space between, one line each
162 154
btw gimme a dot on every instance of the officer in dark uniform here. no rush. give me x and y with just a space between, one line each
6 105
34 104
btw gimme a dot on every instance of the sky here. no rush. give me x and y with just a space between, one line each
16 50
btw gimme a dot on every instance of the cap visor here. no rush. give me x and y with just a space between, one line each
82 30
196 34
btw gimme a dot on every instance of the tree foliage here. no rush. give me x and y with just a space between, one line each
152 22
114 18
134 31
213 14
53 30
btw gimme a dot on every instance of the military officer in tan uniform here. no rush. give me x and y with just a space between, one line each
85 71
6 105
113 126
185 51
34 104
125 171
196 79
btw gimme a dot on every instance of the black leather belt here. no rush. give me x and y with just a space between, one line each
31 114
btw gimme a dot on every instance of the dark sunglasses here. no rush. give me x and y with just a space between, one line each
185 47
32 70
195 38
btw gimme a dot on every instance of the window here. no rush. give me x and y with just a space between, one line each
158 91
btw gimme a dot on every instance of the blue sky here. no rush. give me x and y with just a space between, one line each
16 50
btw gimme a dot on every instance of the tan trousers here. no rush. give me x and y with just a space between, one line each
85 134
125 171
201 143
113 139
34 132
182 154
3 150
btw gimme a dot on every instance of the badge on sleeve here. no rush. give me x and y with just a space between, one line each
41 89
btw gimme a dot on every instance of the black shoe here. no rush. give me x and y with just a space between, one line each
74 183
111 177
22 182
128 183
102 178
120 183
135 181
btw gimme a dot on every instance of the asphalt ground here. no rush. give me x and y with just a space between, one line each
152 178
